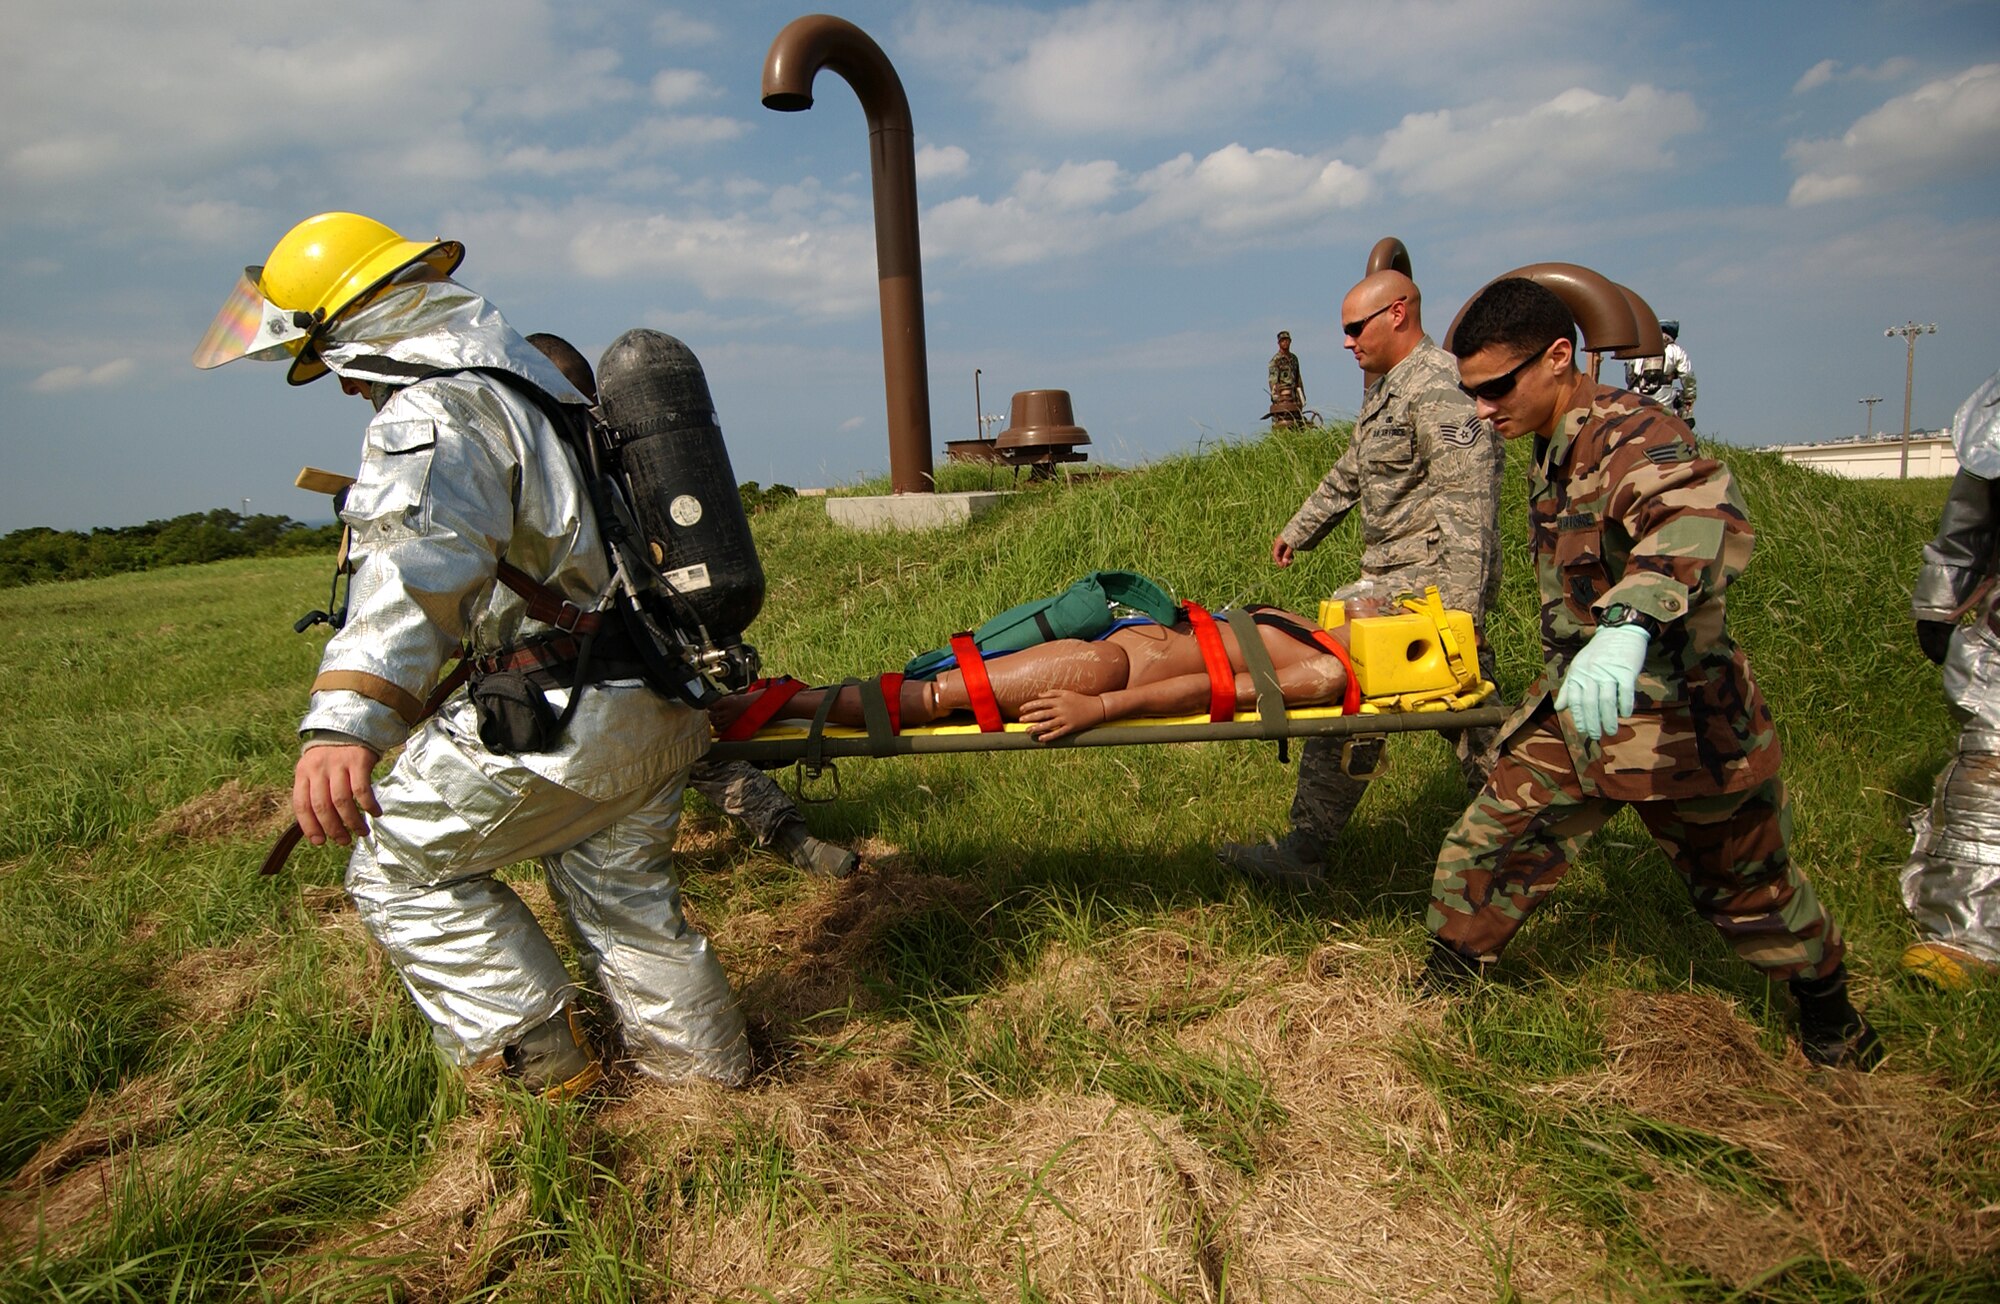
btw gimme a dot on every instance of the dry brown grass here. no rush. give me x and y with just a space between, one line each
232 810
861 1164
1863 1162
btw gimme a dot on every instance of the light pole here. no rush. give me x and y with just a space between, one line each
1909 331
1869 431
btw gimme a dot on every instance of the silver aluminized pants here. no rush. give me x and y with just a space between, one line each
1951 883
480 968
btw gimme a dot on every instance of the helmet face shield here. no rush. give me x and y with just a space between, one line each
249 326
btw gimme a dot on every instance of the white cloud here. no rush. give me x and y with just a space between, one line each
1158 67
1831 70
1237 190
1816 76
1486 154
936 162
673 87
1071 186
1076 208
673 28
96 117
61 380
816 269
851 424
1945 128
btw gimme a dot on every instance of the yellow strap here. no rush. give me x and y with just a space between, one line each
1432 605
375 688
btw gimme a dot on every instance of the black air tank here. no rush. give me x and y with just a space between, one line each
653 394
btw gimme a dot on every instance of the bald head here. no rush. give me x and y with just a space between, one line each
1382 318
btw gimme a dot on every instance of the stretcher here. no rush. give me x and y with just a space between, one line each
1416 670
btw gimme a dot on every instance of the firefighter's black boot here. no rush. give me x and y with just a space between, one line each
554 1059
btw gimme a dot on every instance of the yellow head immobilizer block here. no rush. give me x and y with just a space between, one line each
1421 653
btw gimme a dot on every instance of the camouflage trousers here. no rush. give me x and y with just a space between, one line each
1513 845
1327 794
743 792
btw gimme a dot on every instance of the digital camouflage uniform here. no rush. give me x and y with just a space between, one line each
1623 509
1285 371
742 791
1425 472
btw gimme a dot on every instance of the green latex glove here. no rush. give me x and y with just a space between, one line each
1602 685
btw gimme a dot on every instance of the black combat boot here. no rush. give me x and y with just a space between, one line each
1296 860
1447 972
822 859
1831 1031
553 1059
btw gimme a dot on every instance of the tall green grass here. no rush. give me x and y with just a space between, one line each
290 1095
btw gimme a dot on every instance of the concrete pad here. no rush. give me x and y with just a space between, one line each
881 512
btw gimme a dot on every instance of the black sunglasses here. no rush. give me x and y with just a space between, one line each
1352 329
1502 385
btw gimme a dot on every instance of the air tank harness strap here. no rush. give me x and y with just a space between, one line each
1221 675
546 604
971 665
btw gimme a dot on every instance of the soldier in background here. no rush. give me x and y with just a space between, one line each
1635 535
1952 881
1288 391
737 788
1425 472
1668 378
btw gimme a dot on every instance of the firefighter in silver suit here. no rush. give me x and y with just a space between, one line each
465 479
1952 881
1666 378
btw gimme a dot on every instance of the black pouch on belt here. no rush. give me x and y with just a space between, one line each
514 716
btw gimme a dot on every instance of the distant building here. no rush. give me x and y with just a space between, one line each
1876 458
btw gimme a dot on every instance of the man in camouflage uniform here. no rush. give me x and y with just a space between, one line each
737 788
1425 472
1635 535
1288 391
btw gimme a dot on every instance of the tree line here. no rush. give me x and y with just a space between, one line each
40 554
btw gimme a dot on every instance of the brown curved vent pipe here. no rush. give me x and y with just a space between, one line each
1389 255
797 54
1612 318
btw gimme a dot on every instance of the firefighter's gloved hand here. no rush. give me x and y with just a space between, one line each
1602 685
1934 637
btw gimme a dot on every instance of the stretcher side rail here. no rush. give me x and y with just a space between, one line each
796 745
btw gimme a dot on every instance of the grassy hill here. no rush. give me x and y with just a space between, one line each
1041 1046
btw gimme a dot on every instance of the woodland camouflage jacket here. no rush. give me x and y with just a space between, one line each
1622 508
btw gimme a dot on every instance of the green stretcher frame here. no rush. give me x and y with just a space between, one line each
811 746
819 741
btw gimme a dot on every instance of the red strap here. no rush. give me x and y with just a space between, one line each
985 708
1351 703
772 694
892 697
1221 675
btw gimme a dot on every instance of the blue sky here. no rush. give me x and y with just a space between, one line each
1125 199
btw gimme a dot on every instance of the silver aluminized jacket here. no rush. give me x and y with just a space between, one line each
1951 883
458 472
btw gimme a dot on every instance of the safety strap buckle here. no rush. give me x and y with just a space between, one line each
803 774
1348 748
